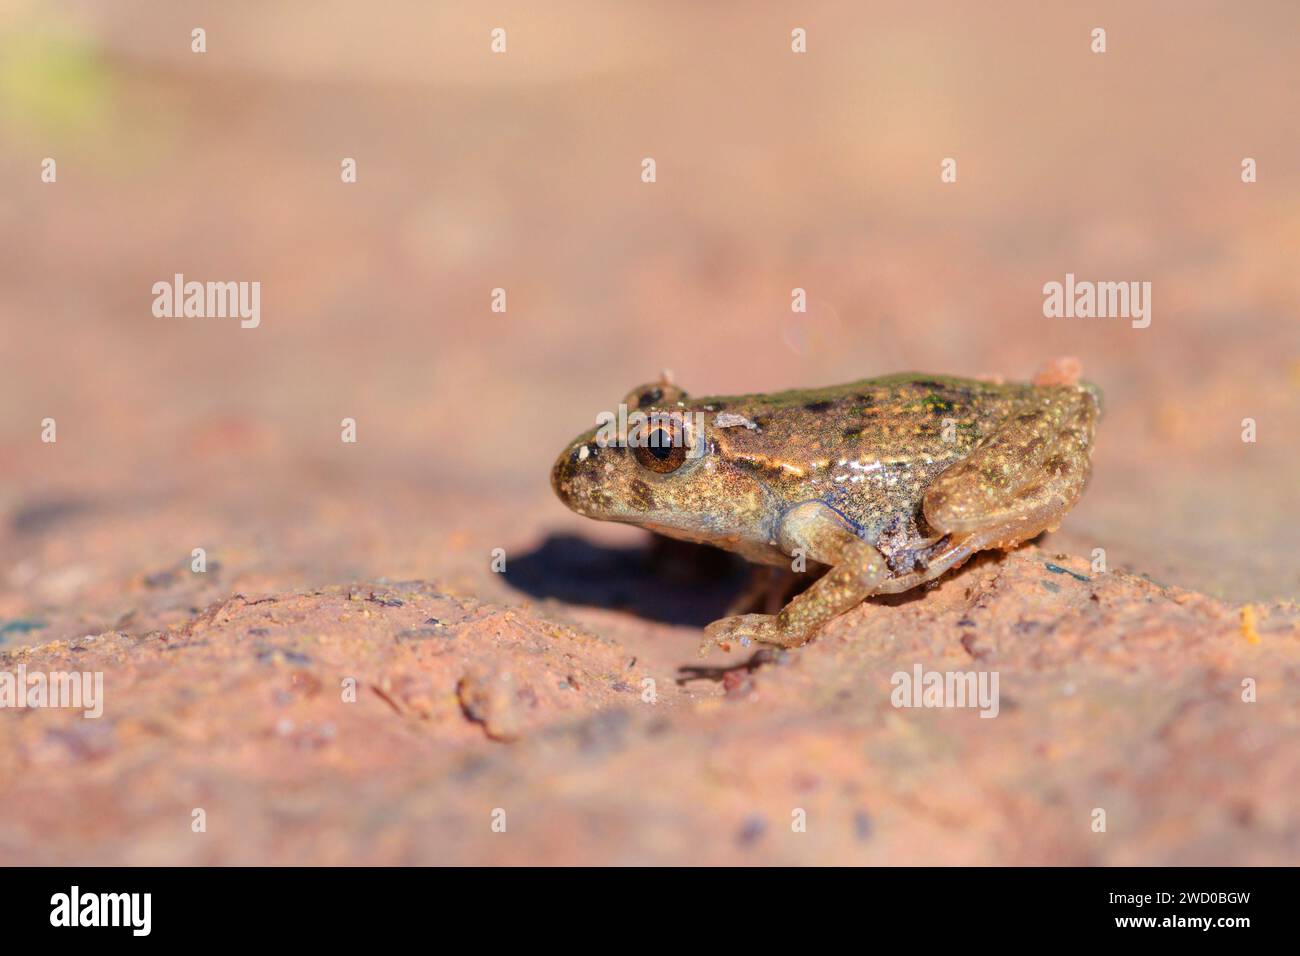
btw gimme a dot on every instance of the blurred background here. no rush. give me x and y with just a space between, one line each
522 171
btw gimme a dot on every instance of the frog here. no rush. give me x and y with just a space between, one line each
887 483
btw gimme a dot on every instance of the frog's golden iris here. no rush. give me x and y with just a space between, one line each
660 452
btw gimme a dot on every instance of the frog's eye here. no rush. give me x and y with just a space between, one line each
659 452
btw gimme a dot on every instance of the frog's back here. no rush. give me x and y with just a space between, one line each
906 416
869 448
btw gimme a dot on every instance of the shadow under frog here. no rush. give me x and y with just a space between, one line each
673 582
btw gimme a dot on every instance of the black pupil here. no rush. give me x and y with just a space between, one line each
661 444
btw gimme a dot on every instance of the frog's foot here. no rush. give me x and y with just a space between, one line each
946 554
744 629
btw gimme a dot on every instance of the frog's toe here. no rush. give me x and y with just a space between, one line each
742 629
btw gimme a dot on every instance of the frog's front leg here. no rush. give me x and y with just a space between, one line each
822 535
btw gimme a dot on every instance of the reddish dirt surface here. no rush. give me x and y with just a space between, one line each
524 691
1115 693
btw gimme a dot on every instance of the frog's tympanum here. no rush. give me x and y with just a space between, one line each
890 482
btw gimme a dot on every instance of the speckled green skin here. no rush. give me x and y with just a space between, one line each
909 465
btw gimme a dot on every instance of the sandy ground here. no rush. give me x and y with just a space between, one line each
349 680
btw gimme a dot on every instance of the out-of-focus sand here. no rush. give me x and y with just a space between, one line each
522 171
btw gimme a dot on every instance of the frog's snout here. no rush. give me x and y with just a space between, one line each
588 478
562 475
571 475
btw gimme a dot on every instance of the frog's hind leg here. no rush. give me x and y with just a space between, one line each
856 571
1017 484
